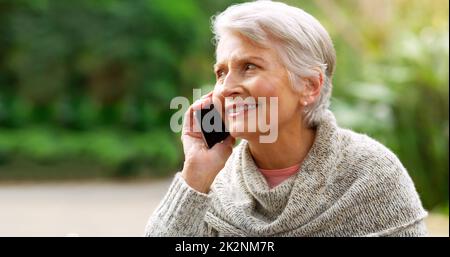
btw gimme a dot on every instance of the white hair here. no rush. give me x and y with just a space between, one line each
301 41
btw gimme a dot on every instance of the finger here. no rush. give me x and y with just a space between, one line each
226 146
188 120
191 124
207 95
193 134
204 101
229 141
201 103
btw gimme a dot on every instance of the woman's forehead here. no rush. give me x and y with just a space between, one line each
234 47
241 58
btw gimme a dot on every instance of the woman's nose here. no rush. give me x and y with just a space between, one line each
231 85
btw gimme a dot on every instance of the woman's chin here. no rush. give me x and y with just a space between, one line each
241 130
249 136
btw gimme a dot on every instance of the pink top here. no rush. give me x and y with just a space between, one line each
275 177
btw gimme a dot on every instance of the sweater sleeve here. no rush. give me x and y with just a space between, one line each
180 213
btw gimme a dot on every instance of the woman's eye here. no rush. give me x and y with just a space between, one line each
220 74
250 66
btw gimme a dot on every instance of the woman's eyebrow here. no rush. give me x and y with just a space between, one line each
217 65
253 58
241 59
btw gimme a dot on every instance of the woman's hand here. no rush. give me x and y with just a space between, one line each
202 164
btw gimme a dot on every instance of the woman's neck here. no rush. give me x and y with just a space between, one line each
285 151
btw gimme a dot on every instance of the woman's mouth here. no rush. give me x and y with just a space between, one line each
239 109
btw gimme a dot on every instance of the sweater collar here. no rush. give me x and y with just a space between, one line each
271 211
272 201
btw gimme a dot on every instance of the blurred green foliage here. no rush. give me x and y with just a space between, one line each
92 81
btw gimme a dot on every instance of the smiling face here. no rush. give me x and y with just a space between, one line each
246 71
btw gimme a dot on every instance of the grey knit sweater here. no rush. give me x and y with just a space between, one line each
348 185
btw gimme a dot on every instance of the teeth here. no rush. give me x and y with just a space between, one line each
241 108
251 106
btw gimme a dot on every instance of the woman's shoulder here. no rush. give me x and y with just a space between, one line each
352 151
378 176
376 172
365 154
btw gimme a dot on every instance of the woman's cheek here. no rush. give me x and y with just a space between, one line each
262 86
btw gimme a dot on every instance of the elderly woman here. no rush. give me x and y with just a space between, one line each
315 179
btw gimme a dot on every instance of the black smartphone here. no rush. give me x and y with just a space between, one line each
212 132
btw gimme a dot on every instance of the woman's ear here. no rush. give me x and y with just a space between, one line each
312 88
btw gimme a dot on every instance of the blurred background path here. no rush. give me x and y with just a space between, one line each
84 209
96 209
